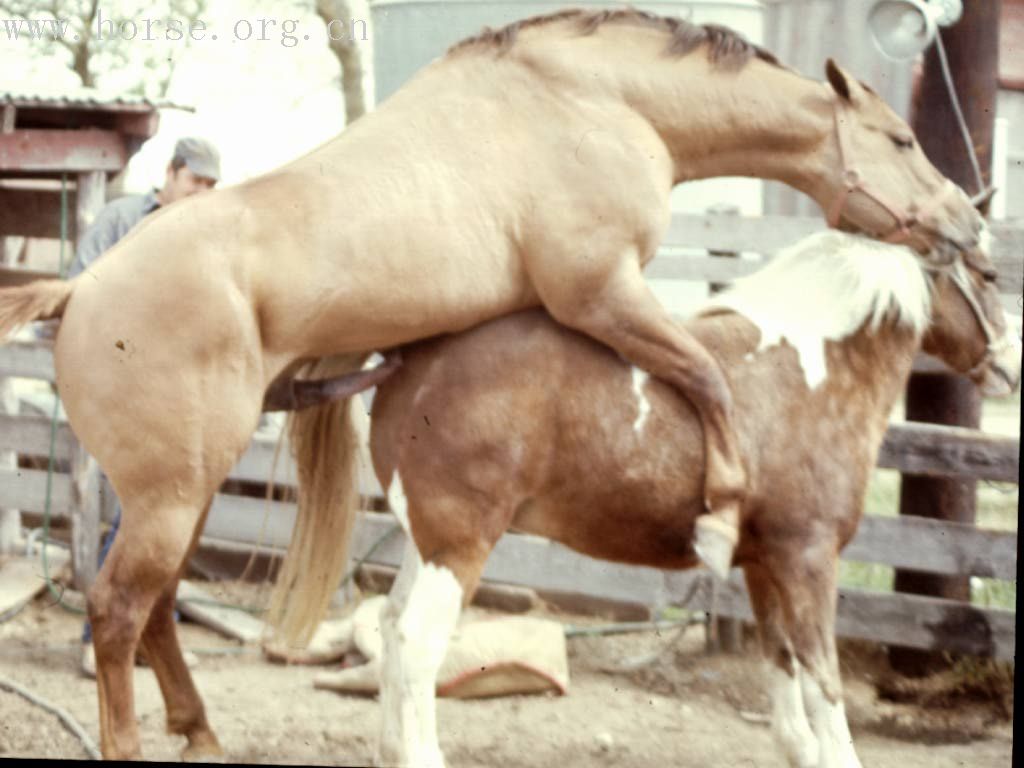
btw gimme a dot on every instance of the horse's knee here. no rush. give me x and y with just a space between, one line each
115 626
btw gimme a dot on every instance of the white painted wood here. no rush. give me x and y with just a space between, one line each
26 490
30 435
29 360
202 606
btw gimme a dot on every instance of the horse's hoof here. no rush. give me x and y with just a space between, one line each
715 542
205 750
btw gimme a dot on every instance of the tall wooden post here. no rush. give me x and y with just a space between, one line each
972 47
723 634
85 472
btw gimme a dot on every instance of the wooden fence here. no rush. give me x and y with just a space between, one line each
240 523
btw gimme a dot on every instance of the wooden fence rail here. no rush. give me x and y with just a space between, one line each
239 522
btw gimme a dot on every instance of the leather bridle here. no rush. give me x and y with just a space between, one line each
994 345
905 217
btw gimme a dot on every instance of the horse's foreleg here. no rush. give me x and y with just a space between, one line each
186 715
625 315
146 555
790 726
807 586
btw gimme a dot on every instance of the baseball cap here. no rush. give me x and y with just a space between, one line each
201 157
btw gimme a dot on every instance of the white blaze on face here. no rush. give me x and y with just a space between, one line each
423 609
643 406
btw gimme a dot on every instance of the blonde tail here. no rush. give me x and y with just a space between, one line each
325 444
38 300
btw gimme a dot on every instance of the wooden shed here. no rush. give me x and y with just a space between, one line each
79 140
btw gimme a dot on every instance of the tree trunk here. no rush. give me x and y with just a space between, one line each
346 50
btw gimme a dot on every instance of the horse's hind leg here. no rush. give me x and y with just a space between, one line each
416 625
790 727
186 715
146 557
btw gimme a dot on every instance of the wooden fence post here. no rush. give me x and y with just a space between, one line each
86 479
85 516
91 195
972 45
724 635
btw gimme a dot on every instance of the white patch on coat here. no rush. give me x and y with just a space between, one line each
399 503
825 287
416 625
643 406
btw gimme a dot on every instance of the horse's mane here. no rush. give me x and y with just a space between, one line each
842 280
829 286
726 47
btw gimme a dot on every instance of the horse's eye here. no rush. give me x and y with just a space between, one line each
903 142
989 275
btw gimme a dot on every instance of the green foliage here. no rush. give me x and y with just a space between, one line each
88 37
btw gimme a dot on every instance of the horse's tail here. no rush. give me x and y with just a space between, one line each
326 449
38 300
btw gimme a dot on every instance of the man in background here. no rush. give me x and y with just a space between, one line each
194 168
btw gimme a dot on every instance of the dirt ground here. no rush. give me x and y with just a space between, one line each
685 709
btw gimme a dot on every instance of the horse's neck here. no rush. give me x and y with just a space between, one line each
871 368
761 120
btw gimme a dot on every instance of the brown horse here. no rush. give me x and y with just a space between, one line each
524 424
530 166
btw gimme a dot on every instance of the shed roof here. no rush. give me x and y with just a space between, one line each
84 98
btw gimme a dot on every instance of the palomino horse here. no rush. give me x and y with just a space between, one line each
524 424
529 166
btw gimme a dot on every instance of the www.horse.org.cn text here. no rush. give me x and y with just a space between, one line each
287 32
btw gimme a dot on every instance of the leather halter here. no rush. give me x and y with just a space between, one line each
993 344
905 218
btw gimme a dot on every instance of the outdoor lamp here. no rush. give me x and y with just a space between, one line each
903 28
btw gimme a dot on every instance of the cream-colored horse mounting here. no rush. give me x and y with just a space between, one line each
529 166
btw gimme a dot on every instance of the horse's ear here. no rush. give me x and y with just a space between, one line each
838 80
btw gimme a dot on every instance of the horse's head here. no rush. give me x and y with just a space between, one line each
880 182
969 330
